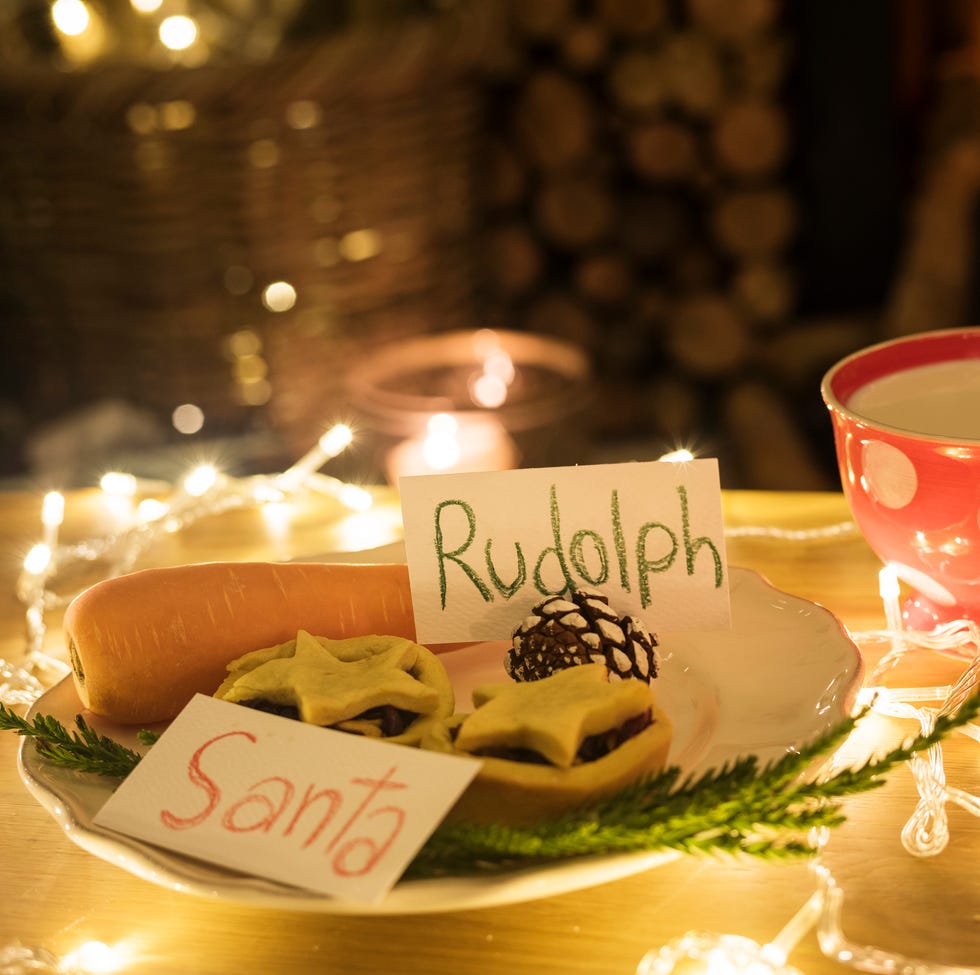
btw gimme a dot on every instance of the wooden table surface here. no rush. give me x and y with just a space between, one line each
56 895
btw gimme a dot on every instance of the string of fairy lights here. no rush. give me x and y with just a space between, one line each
206 492
164 32
168 32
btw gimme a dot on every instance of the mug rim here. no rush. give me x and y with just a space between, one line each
892 357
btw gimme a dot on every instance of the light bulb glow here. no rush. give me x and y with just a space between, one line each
118 484
490 386
53 509
888 583
188 418
331 443
488 390
709 954
71 17
442 425
277 517
354 497
890 592
336 439
178 33
38 559
441 449
680 456
150 509
279 296
94 958
266 493
200 480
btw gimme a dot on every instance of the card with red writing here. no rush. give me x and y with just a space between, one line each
319 809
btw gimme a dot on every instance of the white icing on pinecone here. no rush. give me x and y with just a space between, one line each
580 627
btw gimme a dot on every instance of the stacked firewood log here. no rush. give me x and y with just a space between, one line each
640 204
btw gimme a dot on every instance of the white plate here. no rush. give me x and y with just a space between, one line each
783 674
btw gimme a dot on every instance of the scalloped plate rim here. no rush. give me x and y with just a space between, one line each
700 743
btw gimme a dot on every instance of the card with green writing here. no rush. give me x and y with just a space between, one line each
483 548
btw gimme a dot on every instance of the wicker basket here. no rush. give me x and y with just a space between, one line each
143 213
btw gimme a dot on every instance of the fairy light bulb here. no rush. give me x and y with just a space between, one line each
200 480
333 442
680 456
205 491
709 954
118 484
71 17
701 953
52 515
37 560
94 958
279 296
889 591
178 33
336 439
53 509
150 510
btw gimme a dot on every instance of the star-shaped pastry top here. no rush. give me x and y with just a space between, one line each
330 681
551 716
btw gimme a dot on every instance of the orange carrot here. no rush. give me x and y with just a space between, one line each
141 645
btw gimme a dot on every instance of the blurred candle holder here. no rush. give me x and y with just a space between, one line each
473 401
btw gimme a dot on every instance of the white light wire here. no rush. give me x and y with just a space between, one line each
925 833
24 683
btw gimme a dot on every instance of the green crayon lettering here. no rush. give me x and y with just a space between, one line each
693 546
619 540
577 556
644 565
507 590
555 550
454 556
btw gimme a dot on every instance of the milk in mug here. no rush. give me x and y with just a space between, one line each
941 399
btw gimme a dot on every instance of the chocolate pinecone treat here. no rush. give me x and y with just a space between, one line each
580 628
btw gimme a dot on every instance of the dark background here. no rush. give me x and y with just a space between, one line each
876 95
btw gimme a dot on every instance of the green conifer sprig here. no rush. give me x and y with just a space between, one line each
738 808
84 750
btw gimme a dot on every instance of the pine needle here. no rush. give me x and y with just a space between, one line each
739 808
84 750
736 809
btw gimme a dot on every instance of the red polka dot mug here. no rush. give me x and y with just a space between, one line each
906 421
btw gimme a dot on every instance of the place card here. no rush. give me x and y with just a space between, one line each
483 548
324 810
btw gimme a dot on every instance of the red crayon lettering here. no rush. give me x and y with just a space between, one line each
355 849
306 802
375 785
342 861
273 810
196 774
